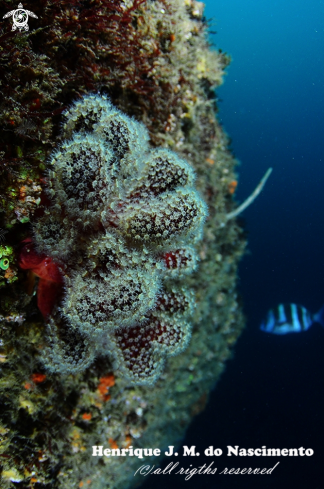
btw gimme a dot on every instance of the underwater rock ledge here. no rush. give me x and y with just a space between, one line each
153 62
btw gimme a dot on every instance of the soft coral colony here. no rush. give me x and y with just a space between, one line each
119 235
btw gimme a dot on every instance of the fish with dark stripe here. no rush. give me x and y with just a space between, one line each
290 318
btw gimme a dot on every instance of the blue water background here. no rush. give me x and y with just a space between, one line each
272 106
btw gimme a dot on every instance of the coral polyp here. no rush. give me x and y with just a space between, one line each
122 211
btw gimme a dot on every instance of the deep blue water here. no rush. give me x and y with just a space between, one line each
272 106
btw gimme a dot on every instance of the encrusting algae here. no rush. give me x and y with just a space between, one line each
118 274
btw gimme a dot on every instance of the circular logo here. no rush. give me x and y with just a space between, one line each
20 18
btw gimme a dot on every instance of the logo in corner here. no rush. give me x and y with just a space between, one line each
20 18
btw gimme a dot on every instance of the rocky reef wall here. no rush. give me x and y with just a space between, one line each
153 62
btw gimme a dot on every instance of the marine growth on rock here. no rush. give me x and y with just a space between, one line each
121 229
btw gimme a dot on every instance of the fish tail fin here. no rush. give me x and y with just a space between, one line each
319 317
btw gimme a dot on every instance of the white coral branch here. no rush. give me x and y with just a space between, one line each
251 198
